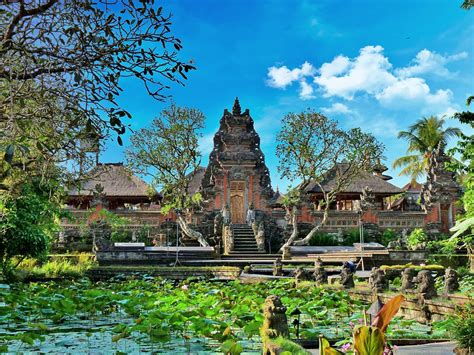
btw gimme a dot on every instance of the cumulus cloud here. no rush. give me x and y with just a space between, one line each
427 61
306 90
414 92
371 73
281 77
336 108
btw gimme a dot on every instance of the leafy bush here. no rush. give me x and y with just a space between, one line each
463 330
57 267
417 239
28 223
387 236
322 238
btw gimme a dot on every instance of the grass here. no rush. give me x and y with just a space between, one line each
62 267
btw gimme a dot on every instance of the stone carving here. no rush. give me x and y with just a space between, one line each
320 275
250 219
451 283
426 286
218 224
377 281
277 267
236 146
226 214
367 199
101 235
407 279
441 186
99 198
347 276
275 323
228 235
300 274
260 237
286 254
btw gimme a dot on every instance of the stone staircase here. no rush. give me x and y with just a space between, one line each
244 240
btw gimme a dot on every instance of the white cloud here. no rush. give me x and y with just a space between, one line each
336 108
413 93
306 90
369 72
372 74
427 61
282 77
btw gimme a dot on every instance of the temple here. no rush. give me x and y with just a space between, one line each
237 175
237 179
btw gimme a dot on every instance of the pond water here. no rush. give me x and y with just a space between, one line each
158 316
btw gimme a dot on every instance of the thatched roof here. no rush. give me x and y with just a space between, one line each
277 199
116 180
377 183
412 187
195 183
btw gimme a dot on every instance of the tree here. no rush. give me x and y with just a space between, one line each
311 147
423 138
62 64
464 228
28 223
168 151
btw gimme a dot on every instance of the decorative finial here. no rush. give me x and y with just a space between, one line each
236 110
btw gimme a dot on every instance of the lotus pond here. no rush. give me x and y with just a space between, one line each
161 316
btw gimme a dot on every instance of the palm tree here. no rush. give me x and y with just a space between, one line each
423 138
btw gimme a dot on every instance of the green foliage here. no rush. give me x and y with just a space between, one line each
117 224
161 313
28 223
369 340
388 235
57 267
463 328
168 151
417 239
286 346
423 138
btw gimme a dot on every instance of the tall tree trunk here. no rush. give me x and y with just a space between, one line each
191 233
305 240
294 233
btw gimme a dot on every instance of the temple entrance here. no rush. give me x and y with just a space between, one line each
237 189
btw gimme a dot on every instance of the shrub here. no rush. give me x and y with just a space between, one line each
417 239
322 239
388 235
463 330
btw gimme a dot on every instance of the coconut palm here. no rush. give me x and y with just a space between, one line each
423 138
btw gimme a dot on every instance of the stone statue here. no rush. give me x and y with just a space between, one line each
300 274
101 235
320 275
250 215
377 281
226 214
426 286
407 279
277 267
451 283
286 254
260 237
347 276
218 223
367 199
275 323
228 239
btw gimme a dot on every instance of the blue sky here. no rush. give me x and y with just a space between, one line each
379 65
